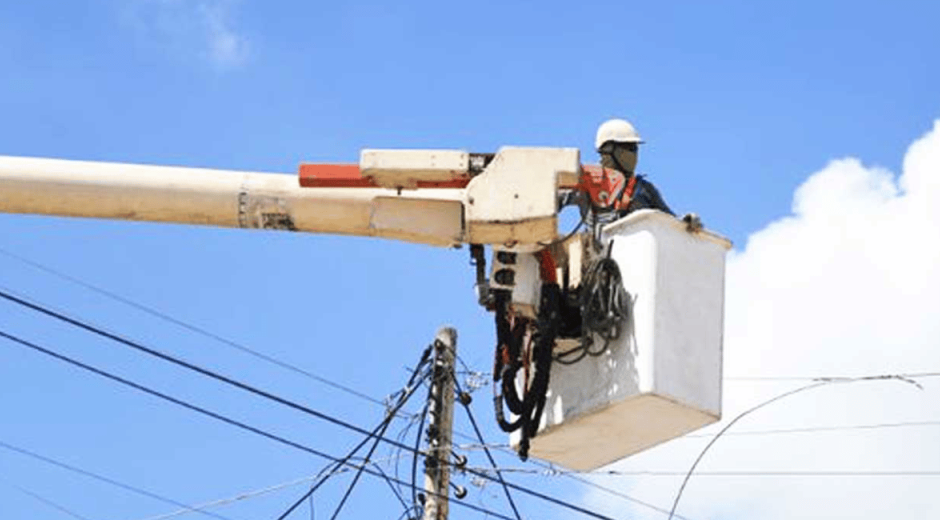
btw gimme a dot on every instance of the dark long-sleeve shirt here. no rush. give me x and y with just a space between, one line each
646 196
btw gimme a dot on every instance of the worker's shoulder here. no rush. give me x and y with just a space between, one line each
642 178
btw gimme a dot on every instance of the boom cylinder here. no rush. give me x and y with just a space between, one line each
225 198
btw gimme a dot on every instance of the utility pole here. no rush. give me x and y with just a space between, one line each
440 425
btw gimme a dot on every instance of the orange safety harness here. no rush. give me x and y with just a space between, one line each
601 184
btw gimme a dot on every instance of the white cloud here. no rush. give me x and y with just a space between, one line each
226 47
192 28
848 284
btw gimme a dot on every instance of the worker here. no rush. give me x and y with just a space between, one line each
618 143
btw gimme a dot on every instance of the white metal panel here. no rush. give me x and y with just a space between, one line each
416 219
404 168
515 199
662 377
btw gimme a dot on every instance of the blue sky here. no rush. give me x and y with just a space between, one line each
739 102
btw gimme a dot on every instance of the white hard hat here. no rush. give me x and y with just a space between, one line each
618 131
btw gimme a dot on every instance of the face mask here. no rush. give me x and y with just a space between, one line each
626 158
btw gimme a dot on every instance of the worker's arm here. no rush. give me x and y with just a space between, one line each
651 198
648 197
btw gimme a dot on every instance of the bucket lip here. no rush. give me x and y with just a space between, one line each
662 218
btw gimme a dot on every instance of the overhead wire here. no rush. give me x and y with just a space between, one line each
773 431
275 361
209 334
411 386
914 375
251 389
905 378
391 486
401 438
190 327
377 432
732 473
245 495
551 470
414 460
180 362
489 456
917 375
203 411
46 501
620 494
95 476
817 429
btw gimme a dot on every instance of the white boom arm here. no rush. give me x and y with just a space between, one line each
511 201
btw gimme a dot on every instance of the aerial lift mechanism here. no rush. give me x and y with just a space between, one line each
609 340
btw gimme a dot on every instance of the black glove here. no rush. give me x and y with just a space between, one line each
692 222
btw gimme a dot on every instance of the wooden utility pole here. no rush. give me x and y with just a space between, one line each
440 425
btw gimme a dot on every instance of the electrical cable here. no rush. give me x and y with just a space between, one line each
181 363
95 476
476 428
605 307
259 392
620 494
550 471
190 327
208 413
391 486
414 460
376 433
258 492
350 391
565 238
402 438
381 432
817 429
732 473
44 500
816 384
913 375
408 511
239 497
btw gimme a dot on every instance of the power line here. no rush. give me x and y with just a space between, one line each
379 430
414 460
551 470
199 330
734 473
208 413
759 378
466 405
245 495
905 378
190 327
774 431
241 496
44 500
412 386
614 492
228 342
913 375
180 362
262 393
100 478
817 429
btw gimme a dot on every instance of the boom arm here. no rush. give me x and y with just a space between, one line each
434 197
